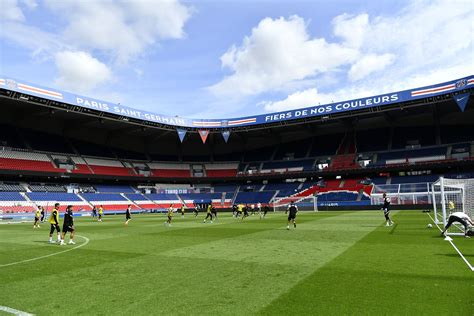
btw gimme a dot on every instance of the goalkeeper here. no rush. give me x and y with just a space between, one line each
458 217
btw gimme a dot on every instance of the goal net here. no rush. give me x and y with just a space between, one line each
452 195
306 203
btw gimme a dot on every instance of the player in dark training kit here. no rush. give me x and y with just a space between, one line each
386 210
54 221
292 210
214 212
68 226
266 208
42 214
128 214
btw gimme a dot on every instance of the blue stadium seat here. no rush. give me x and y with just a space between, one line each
53 196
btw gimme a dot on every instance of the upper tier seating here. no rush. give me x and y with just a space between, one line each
290 165
22 160
221 170
415 155
170 170
109 167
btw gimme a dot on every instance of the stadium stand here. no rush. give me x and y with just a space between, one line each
47 200
14 202
141 201
24 160
109 201
162 200
263 197
105 188
221 170
171 170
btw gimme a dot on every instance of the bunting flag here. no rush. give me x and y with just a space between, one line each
226 135
181 133
461 100
203 133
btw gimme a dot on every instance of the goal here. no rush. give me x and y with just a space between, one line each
304 203
452 195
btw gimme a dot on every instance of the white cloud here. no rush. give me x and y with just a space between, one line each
117 31
299 99
369 64
311 97
278 52
79 71
123 29
425 43
352 29
10 11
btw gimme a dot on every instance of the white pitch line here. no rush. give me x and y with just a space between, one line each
46 256
14 311
454 246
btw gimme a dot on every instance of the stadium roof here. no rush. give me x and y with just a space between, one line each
69 102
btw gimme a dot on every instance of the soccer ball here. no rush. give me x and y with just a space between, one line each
430 226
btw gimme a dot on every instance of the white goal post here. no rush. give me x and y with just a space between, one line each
304 203
449 196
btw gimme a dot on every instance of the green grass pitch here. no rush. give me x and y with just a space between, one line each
334 263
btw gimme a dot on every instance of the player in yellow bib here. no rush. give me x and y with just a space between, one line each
209 213
170 215
54 221
37 218
101 212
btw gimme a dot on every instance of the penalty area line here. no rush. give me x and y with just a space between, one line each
454 246
14 311
47 256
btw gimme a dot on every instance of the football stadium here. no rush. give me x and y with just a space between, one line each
356 207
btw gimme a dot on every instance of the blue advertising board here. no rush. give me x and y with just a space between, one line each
320 110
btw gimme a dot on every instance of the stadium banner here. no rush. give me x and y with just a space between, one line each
26 88
461 100
203 133
181 133
226 135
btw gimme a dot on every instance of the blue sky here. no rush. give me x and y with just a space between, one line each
217 59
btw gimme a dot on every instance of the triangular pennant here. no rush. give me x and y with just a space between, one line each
181 133
461 100
226 135
203 133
